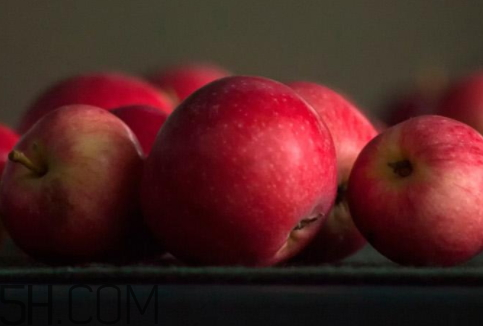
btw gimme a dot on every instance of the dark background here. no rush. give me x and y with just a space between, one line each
366 49
363 48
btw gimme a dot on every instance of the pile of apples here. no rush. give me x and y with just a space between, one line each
222 169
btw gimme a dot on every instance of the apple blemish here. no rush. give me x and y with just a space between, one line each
306 221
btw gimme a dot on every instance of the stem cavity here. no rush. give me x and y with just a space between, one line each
402 168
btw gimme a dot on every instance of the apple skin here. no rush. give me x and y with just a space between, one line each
84 206
351 131
182 80
8 139
144 121
107 90
463 101
416 192
236 171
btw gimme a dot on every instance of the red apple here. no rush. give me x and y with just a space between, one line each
242 173
144 121
8 139
463 101
416 192
182 80
107 90
351 131
69 191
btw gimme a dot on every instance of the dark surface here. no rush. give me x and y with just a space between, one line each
350 274
365 289
365 268
255 305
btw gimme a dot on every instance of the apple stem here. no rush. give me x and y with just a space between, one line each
19 157
402 168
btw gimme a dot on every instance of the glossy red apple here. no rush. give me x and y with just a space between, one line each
144 121
8 139
242 173
69 191
463 101
416 192
351 131
107 90
182 80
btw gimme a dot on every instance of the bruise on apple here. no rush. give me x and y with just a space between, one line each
307 221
